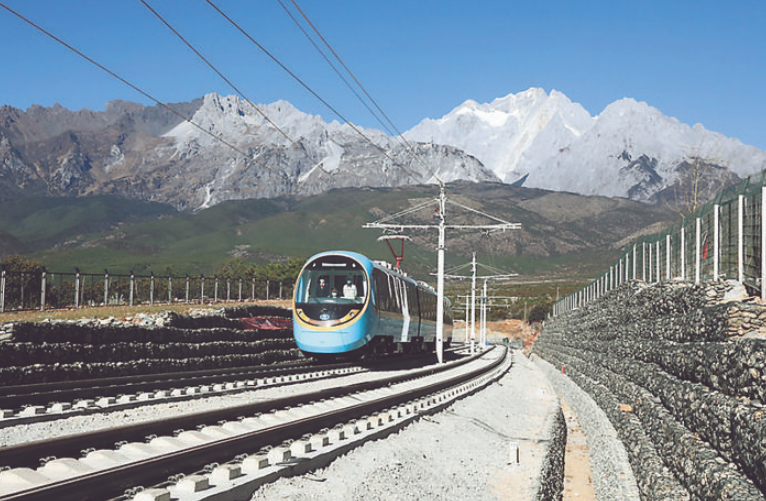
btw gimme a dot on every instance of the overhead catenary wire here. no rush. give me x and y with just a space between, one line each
308 88
123 80
227 80
396 133
334 68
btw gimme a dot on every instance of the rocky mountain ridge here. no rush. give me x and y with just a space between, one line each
226 149
152 154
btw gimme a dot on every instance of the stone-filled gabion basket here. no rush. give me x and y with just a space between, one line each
680 370
39 352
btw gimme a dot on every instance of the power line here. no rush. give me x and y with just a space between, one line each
121 79
308 88
330 63
228 81
398 134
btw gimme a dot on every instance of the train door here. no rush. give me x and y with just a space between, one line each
405 337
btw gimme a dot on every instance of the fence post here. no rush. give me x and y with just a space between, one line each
716 236
698 230
202 289
634 261
42 291
170 289
741 239
659 268
253 291
280 290
187 288
106 287
267 289
643 261
77 288
667 257
239 296
2 291
228 289
215 289
683 253
151 288
132 286
649 262
763 242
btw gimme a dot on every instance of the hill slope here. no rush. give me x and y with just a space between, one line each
562 233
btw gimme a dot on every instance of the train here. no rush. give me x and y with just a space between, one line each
347 305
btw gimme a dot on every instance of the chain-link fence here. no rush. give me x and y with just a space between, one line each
48 290
724 239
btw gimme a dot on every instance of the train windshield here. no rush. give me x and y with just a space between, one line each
332 280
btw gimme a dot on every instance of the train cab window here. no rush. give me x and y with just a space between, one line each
332 279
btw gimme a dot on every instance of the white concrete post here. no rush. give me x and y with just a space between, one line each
467 338
440 280
659 269
106 287
643 261
42 291
683 253
634 261
740 239
763 242
716 238
77 289
484 315
667 257
473 303
697 251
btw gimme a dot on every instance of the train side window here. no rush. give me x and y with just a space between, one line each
382 293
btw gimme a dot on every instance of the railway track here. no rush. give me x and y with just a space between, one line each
238 448
50 401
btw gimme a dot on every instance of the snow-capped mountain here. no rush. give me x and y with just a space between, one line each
629 150
229 149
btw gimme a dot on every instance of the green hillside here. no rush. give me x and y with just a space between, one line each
562 235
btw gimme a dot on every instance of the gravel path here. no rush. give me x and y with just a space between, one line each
461 453
612 475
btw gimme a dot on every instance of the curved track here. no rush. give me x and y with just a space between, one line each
222 435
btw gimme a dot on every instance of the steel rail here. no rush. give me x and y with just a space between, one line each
104 484
43 393
29 454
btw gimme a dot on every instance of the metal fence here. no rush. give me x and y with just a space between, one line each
724 239
47 290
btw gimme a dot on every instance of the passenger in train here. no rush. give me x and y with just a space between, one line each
349 290
323 289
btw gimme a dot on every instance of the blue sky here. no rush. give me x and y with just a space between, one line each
698 61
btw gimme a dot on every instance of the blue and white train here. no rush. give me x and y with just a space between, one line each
345 303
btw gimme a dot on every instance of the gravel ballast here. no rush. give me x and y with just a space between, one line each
462 453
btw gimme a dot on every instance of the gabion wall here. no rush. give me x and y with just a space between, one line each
39 352
680 371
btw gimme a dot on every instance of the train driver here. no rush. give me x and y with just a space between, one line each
349 290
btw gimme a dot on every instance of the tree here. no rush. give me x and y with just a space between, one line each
23 280
538 313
